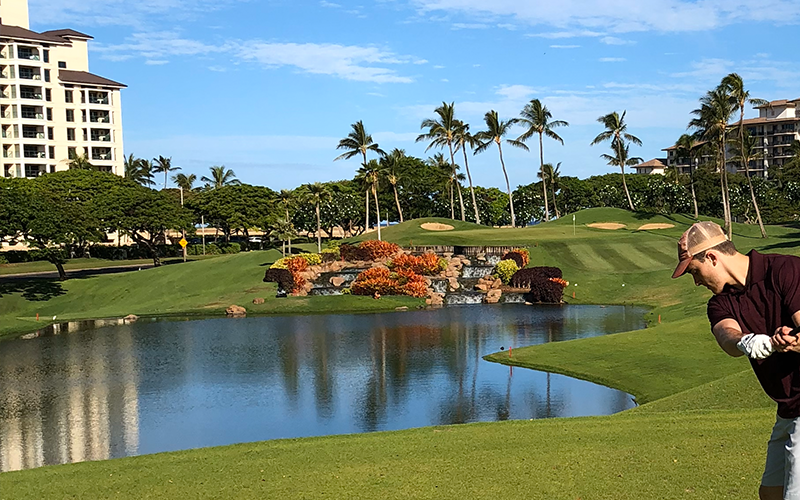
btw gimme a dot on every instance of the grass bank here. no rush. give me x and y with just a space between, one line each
699 432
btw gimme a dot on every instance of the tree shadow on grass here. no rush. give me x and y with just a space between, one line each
35 290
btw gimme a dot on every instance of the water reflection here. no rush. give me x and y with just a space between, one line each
97 391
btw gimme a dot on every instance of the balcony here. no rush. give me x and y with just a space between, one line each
32 113
101 154
30 93
7 153
101 135
35 170
26 73
99 117
28 53
32 132
98 98
34 153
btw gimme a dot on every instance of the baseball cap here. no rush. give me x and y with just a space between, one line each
701 236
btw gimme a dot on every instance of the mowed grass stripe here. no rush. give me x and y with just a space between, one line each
616 255
652 255
565 254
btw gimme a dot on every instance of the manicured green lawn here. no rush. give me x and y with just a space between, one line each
77 264
699 433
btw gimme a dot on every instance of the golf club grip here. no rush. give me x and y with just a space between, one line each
795 331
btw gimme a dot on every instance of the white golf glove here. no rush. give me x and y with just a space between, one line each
755 346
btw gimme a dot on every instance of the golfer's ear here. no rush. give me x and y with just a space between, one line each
712 256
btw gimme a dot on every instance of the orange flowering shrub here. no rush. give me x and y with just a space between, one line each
519 255
427 264
297 265
384 282
560 281
374 249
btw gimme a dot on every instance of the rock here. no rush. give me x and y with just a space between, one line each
235 311
480 258
482 287
258 300
466 262
453 286
528 303
401 308
447 255
494 293
337 281
428 301
131 317
497 283
492 300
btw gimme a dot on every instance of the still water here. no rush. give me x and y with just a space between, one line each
90 392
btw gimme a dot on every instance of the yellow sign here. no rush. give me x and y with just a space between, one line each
183 242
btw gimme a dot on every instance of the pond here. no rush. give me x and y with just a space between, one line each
82 391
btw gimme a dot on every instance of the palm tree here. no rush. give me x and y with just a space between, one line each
735 86
496 129
537 119
359 141
686 147
220 176
466 140
283 230
445 170
162 164
711 124
138 170
550 175
365 184
441 133
286 198
616 131
81 163
745 152
183 181
317 193
372 173
622 159
391 162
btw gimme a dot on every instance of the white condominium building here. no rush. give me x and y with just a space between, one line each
51 108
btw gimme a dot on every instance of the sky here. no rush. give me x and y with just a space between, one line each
268 88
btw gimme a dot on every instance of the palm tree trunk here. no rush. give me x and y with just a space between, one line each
471 189
366 222
165 178
725 191
283 248
508 187
397 201
290 238
553 188
377 209
747 171
544 181
694 196
452 200
319 230
624 184
455 179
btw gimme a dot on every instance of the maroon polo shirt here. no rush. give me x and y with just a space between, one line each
770 297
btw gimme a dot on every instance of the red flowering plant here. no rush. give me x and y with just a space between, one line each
369 250
297 265
519 255
384 282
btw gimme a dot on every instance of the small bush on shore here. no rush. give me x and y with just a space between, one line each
519 255
427 264
384 282
369 250
505 269
283 277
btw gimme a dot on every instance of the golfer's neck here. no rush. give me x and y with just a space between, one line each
738 267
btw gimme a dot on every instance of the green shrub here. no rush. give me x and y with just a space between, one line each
230 248
211 249
280 263
505 269
330 254
3 260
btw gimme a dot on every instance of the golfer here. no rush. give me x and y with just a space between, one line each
756 304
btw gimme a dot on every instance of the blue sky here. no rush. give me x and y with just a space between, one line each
268 88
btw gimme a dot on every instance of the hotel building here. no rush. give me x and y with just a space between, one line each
776 127
52 109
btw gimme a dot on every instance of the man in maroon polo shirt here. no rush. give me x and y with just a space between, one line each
756 304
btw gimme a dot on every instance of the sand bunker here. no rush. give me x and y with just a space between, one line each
655 226
606 225
435 226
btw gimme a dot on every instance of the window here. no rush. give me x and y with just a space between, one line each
70 115
50 134
46 55
83 115
50 114
71 154
52 152
70 134
85 135
52 168
68 96
48 95
47 75
62 64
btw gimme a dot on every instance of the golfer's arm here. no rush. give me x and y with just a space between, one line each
728 333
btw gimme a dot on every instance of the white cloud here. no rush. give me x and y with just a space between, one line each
612 59
564 46
612 40
567 34
331 5
119 12
623 16
156 62
349 62
469 26
515 92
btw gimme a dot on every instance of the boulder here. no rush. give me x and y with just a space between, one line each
492 300
337 281
235 311
453 285
494 293
482 287
258 300
131 318
466 262
447 255
497 283
401 308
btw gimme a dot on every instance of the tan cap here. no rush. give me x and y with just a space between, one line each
701 236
